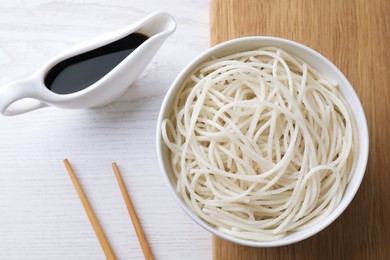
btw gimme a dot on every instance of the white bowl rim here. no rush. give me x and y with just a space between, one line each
359 171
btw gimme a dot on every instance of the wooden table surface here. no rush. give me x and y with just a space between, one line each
41 216
355 36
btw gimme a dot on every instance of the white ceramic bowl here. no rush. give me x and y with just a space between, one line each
325 67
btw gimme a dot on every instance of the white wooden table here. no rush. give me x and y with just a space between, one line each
41 216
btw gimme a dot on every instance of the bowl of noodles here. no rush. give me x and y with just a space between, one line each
262 141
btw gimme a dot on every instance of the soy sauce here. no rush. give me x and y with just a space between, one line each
83 70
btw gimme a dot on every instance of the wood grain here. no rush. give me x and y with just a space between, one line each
355 36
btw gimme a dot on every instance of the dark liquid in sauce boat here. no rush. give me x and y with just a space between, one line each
81 71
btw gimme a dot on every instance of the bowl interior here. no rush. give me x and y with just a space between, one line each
322 65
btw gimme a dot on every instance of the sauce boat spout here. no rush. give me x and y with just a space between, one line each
157 25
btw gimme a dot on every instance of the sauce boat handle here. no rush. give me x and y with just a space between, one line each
19 97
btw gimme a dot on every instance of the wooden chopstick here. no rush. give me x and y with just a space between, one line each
94 221
133 215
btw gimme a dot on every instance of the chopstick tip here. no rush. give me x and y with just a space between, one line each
115 167
66 161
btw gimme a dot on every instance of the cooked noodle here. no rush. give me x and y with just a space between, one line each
261 144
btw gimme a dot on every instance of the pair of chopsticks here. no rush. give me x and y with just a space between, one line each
95 223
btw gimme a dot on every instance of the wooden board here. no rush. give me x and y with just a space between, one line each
355 35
